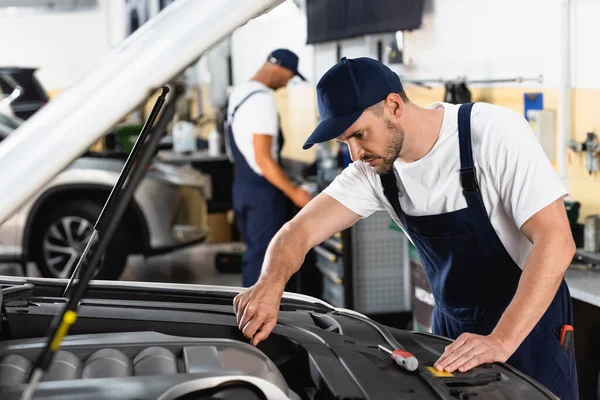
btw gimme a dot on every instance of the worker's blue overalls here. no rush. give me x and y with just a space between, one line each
260 207
473 278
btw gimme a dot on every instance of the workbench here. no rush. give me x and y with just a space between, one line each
194 157
584 285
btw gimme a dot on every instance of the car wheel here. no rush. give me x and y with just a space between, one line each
61 234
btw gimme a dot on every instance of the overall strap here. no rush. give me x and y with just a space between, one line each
280 138
468 176
391 192
244 100
229 139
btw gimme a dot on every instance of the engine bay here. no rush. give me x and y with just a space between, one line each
140 365
182 342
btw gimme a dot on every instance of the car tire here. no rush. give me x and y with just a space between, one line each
69 226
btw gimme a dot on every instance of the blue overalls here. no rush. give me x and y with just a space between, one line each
473 278
260 207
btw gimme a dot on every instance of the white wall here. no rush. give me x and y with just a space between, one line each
586 57
497 39
285 26
325 54
474 38
218 71
480 39
486 40
63 45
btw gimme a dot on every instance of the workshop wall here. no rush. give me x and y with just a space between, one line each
462 39
482 39
285 27
453 43
479 40
583 187
64 45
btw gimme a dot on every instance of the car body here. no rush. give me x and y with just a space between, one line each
137 340
25 91
168 212
132 340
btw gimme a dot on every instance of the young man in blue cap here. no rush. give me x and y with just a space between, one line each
255 141
475 193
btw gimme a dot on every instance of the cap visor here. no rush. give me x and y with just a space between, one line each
331 128
298 74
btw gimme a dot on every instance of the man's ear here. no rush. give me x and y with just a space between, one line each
395 105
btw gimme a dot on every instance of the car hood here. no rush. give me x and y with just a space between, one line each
157 52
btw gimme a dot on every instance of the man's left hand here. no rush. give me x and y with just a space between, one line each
470 350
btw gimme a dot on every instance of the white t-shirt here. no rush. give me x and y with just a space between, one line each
257 115
515 177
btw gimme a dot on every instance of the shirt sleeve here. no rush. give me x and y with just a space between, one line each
353 189
522 173
260 115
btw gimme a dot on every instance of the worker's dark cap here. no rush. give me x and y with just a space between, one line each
345 91
287 59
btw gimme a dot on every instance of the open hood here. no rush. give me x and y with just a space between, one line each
158 51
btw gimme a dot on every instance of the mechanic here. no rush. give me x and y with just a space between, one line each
255 140
473 190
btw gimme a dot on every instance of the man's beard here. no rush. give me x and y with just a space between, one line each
393 148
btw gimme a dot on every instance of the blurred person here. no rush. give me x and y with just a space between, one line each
260 185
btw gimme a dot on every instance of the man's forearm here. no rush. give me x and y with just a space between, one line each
539 282
284 255
275 175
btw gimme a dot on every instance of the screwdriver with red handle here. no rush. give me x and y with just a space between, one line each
566 338
403 358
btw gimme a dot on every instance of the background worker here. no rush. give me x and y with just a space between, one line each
255 139
473 190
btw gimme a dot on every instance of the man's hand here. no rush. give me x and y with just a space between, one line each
470 350
257 308
273 172
301 197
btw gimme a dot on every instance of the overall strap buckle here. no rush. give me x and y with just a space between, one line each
468 180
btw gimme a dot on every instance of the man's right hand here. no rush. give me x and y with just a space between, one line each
257 309
301 197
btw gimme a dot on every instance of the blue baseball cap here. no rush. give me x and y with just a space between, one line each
345 91
286 59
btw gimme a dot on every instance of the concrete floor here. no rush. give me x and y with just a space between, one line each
193 265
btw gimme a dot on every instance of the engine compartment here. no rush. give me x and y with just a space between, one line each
181 343
128 360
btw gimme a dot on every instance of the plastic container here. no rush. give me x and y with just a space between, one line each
214 144
592 234
184 137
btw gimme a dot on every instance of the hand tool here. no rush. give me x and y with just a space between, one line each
403 358
566 338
